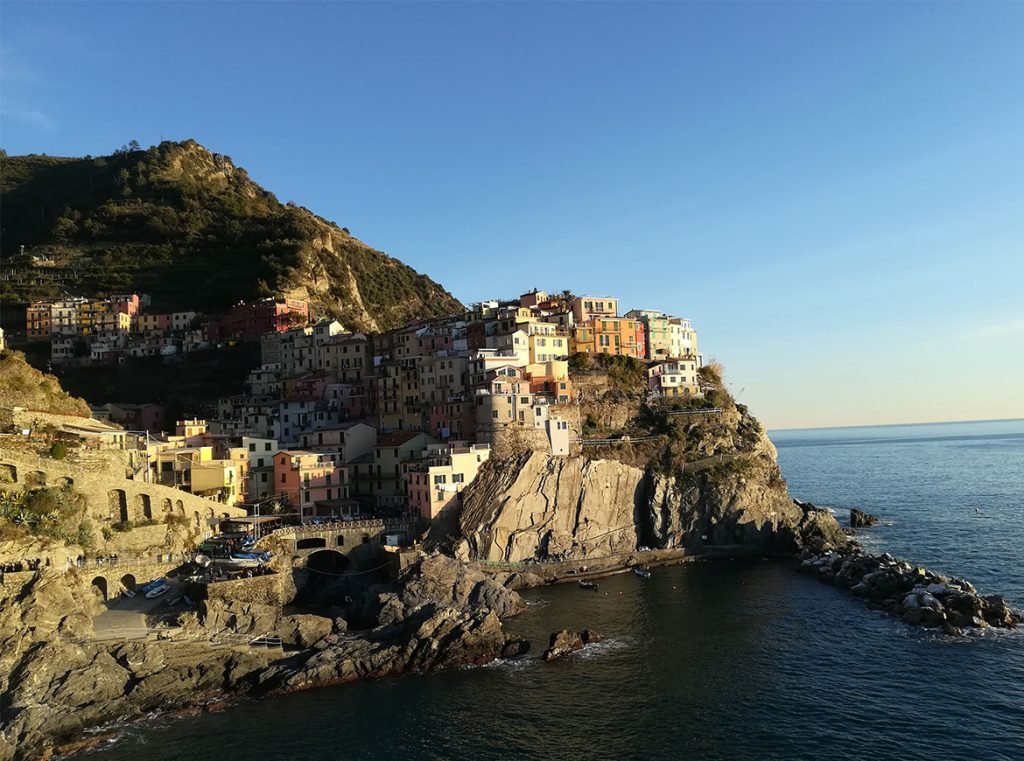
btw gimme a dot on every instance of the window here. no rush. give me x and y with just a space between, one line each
494 414
263 478
283 478
440 479
252 447
458 478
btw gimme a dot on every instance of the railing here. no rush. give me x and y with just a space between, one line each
709 411
623 440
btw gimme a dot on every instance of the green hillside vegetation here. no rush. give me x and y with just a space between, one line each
192 230
21 385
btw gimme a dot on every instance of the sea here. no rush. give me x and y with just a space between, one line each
724 660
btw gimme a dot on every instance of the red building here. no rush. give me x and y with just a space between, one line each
253 319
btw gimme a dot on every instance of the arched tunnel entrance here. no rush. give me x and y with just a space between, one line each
128 582
100 585
327 562
324 571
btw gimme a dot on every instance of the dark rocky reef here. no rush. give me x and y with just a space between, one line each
918 596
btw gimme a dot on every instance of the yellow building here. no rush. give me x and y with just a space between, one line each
220 480
435 482
548 346
89 315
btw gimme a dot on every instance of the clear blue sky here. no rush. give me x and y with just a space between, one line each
833 192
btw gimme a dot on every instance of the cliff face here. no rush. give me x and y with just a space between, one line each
540 506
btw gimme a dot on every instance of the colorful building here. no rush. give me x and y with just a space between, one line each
435 482
586 308
313 483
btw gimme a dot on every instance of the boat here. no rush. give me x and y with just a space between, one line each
157 591
588 584
642 571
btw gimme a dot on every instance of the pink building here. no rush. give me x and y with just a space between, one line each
314 483
125 303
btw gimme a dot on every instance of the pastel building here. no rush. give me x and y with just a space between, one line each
676 377
313 483
435 481
586 308
667 337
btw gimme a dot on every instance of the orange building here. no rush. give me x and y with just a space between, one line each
610 335
37 320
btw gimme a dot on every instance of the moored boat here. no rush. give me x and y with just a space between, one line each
588 584
642 571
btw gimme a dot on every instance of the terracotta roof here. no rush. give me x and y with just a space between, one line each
396 439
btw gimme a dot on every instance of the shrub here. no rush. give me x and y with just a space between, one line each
122 526
58 450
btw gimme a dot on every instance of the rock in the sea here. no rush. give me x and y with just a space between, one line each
566 642
860 519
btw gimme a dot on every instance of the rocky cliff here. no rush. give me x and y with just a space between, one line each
710 481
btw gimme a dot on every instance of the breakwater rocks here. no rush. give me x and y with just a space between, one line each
918 596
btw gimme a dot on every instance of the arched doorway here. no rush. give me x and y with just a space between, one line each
181 507
100 587
128 582
168 507
35 478
65 483
144 506
118 504
8 474
310 543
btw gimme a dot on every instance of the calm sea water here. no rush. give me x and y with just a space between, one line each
725 661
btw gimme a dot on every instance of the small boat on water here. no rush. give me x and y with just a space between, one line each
588 584
642 571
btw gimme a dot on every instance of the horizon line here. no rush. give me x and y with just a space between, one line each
894 425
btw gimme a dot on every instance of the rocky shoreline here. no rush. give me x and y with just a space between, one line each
916 595
60 684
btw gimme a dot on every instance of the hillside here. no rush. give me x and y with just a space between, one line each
192 230
21 385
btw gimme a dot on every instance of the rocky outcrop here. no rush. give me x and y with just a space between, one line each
57 682
860 519
440 580
567 642
915 594
537 506
61 688
431 638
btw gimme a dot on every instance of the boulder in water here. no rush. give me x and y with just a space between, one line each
565 642
860 519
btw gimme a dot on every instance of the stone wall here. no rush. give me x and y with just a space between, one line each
276 590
